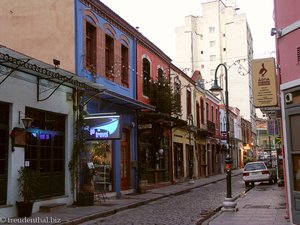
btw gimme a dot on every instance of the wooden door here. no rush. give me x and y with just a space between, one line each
125 160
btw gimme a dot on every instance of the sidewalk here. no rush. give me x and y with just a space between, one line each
271 196
262 205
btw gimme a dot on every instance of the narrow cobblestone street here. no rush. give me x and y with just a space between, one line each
185 209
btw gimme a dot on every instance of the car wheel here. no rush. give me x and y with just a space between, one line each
247 184
271 181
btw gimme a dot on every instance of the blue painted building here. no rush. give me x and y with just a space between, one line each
105 53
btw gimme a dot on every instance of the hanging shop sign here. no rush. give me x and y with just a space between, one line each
264 82
102 127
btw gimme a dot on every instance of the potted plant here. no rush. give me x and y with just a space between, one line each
28 183
86 195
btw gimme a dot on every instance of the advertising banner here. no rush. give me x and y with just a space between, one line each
264 82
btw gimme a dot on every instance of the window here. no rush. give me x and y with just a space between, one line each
211 29
45 150
198 114
207 109
212 74
90 54
124 65
177 91
160 74
146 77
188 102
212 44
109 57
212 114
202 111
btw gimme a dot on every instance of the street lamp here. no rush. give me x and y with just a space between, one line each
228 204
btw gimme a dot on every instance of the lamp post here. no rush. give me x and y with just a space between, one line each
228 204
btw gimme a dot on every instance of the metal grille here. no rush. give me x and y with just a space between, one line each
298 55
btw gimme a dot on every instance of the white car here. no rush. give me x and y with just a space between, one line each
258 172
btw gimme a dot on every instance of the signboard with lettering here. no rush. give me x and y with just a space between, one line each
264 82
273 127
102 127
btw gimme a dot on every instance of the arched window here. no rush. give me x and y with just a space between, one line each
160 74
188 101
109 57
202 111
124 65
198 114
146 77
90 51
177 91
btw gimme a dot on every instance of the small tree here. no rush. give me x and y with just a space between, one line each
28 183
163 97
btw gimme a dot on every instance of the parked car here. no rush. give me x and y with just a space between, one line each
258 172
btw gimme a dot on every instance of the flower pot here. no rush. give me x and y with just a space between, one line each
85 199
24 209
88 188
142 186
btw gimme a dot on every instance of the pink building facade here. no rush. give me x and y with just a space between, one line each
287 35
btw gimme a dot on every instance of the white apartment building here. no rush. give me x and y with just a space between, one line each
219 35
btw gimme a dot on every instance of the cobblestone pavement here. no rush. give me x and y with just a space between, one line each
184 209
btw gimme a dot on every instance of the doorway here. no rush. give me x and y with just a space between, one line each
45 151
125 160
178 160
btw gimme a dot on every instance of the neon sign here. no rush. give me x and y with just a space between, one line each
102 127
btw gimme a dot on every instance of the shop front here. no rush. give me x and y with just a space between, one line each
111 142
36 129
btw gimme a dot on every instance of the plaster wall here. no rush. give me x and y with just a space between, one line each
287 46
24 95
41 29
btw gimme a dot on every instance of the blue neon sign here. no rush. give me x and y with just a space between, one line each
102 127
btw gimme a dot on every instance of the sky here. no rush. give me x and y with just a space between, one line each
157 20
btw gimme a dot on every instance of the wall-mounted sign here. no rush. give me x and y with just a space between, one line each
102 127
145 126
264 82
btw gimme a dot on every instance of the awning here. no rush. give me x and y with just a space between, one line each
149 117
125 101
27 64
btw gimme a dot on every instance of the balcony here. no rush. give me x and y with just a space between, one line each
211 127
